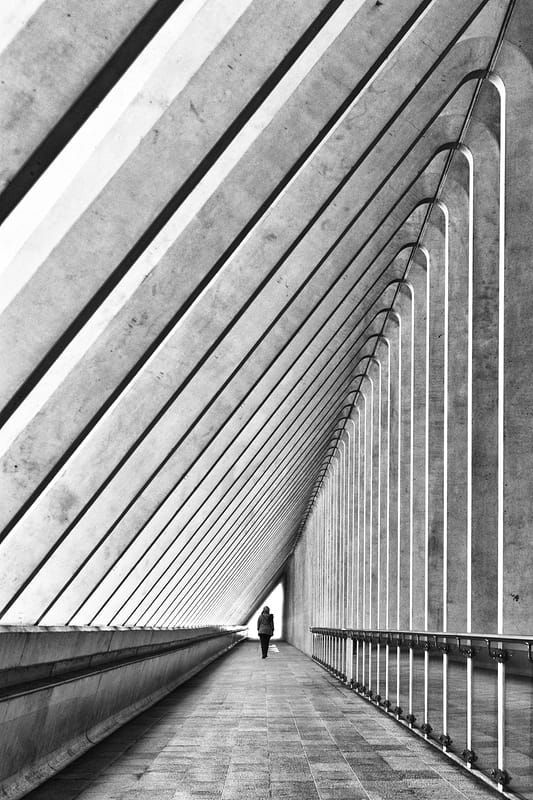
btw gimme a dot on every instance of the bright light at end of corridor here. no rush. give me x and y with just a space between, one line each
275 603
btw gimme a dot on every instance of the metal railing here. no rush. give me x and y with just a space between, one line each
470 695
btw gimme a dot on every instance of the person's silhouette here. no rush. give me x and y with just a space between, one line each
265 629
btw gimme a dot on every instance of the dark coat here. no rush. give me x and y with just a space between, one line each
265 623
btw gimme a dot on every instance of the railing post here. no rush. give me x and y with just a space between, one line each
344 653
344 668
387 689
501 775
378 670
469 692
349 661
445 697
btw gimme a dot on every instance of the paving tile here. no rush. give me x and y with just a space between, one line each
304 790
246 792
245 729
342 793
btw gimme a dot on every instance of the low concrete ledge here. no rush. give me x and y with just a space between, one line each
64 689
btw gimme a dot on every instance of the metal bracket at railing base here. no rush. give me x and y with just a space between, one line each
426 728
386 704
469 756
500 776
398 711
410 718
445 740
466 650
497 653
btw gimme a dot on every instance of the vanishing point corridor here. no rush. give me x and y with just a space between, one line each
266 324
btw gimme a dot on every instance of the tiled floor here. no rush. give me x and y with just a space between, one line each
249 729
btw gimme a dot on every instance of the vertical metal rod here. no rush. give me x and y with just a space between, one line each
381 591
371 523
387 656
445 695
367 501
334 559
426 470
469 686
320 575
352 527
501 421
426 687
365 474
411 493
378 520
387 553
411 500
329 558
336 562
411 676
349 661
426 452
398 668
399 507
359 506
324 572
343 518
469 457
445 467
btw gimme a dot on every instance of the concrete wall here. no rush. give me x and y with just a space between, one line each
77 685
298 617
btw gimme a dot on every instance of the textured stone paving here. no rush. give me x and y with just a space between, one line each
251 729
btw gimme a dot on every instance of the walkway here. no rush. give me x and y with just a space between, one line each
248 729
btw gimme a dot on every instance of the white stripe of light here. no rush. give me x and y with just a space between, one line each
108 138
14 16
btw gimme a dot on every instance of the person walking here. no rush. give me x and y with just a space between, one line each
265 629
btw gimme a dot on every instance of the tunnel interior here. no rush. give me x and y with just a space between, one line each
266 289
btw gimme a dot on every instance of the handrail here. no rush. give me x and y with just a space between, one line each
360 659
429 640
87 665
506 637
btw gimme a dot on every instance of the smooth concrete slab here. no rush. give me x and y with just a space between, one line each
252 728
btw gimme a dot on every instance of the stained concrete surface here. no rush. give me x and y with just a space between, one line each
252 728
